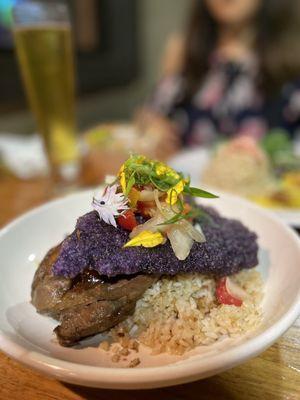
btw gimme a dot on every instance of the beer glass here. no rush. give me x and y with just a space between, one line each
43 40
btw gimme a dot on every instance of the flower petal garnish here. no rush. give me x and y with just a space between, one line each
146 239
172 194
110 205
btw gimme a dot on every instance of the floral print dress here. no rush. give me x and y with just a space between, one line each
227 104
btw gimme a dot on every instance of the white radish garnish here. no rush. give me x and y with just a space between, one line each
235 290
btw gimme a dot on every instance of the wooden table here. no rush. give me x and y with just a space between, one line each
275 374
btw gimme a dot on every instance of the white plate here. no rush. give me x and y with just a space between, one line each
27 336
193 162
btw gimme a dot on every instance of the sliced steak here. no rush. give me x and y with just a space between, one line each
47 289
89 303
86 320
131 287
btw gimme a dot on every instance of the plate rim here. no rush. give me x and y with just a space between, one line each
151 377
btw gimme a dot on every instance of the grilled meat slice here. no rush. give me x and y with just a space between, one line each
85 320
131 287
89 303
47 289
85 311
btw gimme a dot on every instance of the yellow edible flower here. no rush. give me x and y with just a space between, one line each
163 169
140 159
133 197
146 239
292 180
291 188
172 194
122 179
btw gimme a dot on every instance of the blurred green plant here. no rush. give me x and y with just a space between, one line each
279 147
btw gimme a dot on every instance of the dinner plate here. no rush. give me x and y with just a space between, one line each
27 336
193 162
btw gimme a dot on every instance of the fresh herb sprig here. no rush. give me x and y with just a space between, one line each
196 192
195 213
140 171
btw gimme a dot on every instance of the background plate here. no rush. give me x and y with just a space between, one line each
193 162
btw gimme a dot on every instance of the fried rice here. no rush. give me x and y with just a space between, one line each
178 313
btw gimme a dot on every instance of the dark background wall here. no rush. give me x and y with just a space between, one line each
155 21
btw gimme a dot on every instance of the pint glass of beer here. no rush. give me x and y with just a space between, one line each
43 41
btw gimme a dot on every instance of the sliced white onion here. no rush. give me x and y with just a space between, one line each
157 202
182 234
162 213
150 225
192 232
181 243
148 195
235 290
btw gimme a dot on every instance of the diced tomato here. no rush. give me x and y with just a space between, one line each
145 208
187 208
224 297
127 220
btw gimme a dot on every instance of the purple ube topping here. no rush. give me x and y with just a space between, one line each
229 247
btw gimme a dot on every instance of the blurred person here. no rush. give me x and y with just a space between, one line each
236 72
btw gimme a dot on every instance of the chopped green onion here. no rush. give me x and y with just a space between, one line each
196 192
180 216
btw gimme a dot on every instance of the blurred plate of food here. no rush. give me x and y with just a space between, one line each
267 172
107 145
